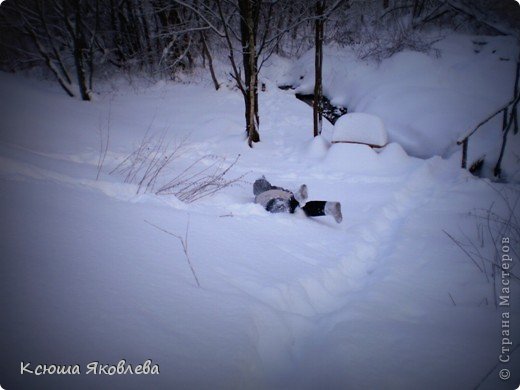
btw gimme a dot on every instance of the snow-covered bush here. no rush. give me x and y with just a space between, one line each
149 166
204 177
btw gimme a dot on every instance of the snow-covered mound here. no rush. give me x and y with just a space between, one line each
358 127
317 148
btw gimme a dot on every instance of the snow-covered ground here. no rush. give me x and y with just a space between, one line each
383 300
426 101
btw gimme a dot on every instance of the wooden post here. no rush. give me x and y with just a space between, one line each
464 152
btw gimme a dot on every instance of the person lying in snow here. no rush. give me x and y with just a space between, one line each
279 200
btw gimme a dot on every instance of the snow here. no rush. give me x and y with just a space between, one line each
426 102
285 301
317 148
360 127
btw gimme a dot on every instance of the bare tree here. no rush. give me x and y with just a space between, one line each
74 24
321 15
75 39
206 53
250 35
317 107
72 38
32 20
249 11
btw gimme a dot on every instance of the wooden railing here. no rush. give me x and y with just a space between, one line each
464 139
509 120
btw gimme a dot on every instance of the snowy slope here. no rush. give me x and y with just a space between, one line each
285 301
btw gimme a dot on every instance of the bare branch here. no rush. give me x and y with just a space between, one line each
184 243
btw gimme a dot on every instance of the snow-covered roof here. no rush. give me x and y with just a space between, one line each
362 128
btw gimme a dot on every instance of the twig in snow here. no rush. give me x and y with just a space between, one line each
184 243
454 304
459 244
104 145
494 367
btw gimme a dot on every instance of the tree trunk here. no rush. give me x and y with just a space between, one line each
317 107
50 64
91 48
248 38
75 29
116 34
59 71
50 39
146 33
207 53
79 48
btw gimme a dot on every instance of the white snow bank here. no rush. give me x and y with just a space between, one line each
317 148
356 158
360 128
352 157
